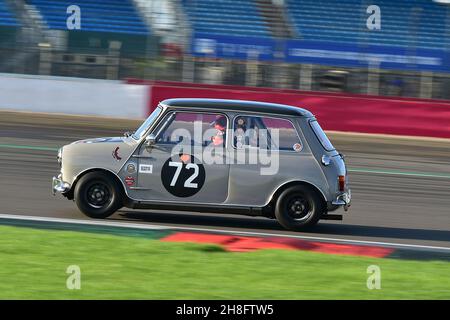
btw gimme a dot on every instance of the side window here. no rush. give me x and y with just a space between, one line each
246 130
265 132
193 128
288 139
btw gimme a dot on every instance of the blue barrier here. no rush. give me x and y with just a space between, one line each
328 53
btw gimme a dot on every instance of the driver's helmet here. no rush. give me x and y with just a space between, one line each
220 123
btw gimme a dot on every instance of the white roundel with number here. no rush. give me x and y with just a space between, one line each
183 178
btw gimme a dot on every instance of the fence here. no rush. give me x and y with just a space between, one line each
159 63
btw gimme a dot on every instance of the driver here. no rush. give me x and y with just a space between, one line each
220 125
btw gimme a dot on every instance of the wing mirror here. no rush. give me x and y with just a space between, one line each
150 141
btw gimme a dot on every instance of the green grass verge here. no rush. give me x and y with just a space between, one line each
33 265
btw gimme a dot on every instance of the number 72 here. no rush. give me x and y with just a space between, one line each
179 166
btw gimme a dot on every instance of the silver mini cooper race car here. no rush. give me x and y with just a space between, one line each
217 156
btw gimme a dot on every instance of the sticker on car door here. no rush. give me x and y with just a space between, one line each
145 168
182 176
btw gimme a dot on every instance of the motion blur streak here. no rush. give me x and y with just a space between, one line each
404 209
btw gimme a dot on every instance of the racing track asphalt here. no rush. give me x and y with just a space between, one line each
400 186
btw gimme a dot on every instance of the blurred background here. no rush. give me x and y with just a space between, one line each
376 74
383 47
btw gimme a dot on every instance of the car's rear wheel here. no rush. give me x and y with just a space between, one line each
299 207
98 195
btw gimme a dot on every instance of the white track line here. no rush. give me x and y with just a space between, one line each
249 233
103 223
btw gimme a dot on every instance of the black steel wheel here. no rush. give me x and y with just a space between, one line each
299 207
98 195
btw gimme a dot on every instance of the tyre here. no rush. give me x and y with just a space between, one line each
299 207
98 195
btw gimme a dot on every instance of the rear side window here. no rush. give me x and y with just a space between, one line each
321 136
265 132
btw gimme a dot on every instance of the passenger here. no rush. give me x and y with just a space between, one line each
239 134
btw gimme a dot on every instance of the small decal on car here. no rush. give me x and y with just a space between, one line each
145 168
297 147
185 158
131 168
129 181
115 154
183 177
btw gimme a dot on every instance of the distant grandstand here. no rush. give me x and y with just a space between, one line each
101 16
315 39
227 17
7 17
418 23
8 22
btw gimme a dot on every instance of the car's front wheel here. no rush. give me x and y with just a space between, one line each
97 195
299 207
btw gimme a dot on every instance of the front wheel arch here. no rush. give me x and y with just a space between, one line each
70 193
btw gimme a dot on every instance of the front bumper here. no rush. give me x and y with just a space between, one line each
58 185
344 199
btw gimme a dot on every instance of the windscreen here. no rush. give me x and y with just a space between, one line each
143 128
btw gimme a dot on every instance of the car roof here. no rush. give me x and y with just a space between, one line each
238 105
